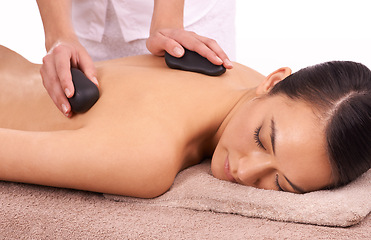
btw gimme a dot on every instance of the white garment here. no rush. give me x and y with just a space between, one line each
117 28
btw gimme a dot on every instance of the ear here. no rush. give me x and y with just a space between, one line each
273 78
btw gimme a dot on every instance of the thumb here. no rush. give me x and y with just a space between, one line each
87 66
157 44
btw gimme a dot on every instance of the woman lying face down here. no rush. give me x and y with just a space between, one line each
311 131
294 132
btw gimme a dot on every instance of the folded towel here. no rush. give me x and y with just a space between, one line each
195 188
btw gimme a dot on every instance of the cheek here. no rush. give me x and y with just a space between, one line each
229 142
234 135
238 136
236 139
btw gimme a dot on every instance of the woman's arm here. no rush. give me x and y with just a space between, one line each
167 34
85 159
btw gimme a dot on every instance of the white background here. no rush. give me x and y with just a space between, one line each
270 33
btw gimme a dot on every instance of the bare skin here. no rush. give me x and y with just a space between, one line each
65 50
151 122
111 148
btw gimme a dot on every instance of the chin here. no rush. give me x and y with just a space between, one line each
215 169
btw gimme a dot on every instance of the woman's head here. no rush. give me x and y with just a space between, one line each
308 132
341 94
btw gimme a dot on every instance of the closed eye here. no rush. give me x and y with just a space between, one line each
257 138
278 185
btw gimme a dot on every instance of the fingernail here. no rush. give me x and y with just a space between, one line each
67 92
219 60
228 63
95 80
178 51
64 109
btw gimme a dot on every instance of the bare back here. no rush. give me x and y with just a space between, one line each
152 118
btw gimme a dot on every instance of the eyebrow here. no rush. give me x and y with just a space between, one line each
273 141
296 188
273 136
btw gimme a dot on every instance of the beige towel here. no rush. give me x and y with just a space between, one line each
195 188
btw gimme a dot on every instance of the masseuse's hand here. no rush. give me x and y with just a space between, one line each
56 73
167 34
173 40
64 51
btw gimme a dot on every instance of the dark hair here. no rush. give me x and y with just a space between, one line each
341 91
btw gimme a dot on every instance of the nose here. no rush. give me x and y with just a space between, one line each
252 170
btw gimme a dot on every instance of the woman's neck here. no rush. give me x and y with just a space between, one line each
203 145
247 96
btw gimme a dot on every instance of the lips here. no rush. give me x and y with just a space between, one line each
227 171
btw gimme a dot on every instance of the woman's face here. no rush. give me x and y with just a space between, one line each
275 143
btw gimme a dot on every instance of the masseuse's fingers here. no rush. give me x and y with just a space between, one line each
158 43
63 58
206 47
78 58
86 65
172 40
52 84
56 72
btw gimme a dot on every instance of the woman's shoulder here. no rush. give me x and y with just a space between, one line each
250 76
146 60
151 61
